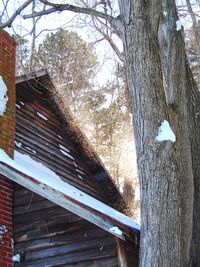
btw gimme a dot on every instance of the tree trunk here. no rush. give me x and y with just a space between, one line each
155 58
193 97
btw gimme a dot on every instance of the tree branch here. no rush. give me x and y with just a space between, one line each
72 8
109 40
15 14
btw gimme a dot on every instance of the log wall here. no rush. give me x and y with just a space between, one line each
39 134
48 235
44 233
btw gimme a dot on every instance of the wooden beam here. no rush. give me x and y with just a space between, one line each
30 76
57 197
121 252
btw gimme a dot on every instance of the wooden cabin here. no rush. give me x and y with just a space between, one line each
46 234
66 209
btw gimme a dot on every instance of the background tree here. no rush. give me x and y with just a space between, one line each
22 54
71 63
163 91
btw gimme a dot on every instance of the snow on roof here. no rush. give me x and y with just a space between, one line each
41 173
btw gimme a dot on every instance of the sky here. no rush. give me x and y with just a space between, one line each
72 22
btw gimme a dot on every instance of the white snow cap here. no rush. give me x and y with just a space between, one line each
42 116
115 230
3 96
16 258
178 25
165 133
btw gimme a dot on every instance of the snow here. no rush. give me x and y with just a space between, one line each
42 116
165 133
3 231
65 151
75 164
80 171
80 177
18 144
30 149
116 230
18 106
66 154
46 176
3 96
16 258
64 148
165 13
178 25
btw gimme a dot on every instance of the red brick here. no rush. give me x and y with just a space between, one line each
7 133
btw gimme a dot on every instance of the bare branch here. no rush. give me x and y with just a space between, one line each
76 9
15 14
192 14
5 4
72 8
109 40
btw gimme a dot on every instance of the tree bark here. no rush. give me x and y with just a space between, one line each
155 58
193 97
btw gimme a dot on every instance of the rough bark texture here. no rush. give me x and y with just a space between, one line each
154 52
193 97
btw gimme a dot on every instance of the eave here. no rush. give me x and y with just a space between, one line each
101 219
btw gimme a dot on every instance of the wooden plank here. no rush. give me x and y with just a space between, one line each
43 204
39 214
108 262
41 131
89 233
69 249
52 230
121 252
68 259
27 200
52 141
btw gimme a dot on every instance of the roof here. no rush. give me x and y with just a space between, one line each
41 82
41 180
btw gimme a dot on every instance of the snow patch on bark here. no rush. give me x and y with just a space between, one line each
3 96
165 133
178 25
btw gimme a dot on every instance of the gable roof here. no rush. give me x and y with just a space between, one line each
40 82
61 192
39 179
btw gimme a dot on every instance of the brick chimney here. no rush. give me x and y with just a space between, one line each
7 137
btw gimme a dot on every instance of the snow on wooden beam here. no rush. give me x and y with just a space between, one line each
59 198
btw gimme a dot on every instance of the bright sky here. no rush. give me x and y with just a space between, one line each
67 20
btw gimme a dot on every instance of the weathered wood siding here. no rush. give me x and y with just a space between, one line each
39 133
44 233
48 235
